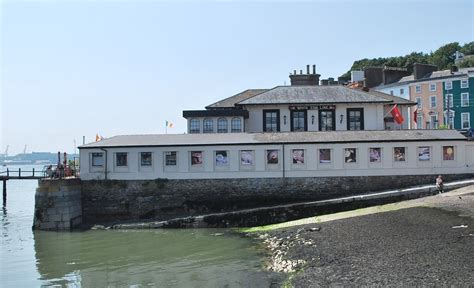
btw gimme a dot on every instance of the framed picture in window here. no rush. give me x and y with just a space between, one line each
324 155
272 156
375 155
221 158
399 154
350 155
298 156
246 157
448 153
196 158
424 153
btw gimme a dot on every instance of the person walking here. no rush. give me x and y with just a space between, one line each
439 184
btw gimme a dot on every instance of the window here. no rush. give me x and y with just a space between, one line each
236 125
448 85
221 125
434 121
271 120
399 154
418 88
424 153
121 159
419 121
448 153
432 87
196 158
449 101
298 120
194 126
464 99
350 155
355 119
171 158
464 84
97 159
222 158
402 91
208 125
418 102
272 156
145 158
432 101
465 121
324 155
391 92
375 155
327 121
449 118
298 156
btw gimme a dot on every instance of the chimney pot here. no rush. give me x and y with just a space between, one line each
294 72
301 71
307 69
314 69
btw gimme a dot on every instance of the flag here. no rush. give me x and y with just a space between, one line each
97 137
397 116
169 124
415 115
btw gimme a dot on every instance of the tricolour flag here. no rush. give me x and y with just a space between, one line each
169 124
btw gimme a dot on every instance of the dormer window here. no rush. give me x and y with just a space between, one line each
194 126
208 125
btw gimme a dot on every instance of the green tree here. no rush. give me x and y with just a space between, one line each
468 48
444 57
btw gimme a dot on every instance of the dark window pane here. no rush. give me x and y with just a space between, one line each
145 158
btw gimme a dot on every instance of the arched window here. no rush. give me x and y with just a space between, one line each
208 125
194 126
236 125
221 125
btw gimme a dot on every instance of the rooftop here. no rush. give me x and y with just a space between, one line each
167 140
232 100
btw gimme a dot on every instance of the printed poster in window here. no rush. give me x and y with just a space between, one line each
221 158
324 155
196 158
350 155
375 155
399 154
272 156
448 152
246 158
298 156
424 153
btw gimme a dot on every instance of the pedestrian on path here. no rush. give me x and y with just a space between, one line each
439 184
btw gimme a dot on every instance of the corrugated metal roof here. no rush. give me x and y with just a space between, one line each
274 138
230 101
313 94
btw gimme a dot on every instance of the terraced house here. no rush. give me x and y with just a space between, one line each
458 93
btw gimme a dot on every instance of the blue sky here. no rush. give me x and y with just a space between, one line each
70 68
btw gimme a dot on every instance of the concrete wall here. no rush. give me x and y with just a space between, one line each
312 166
58 205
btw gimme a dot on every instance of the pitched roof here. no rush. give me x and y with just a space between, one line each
167 140
314 94
395 99
232 100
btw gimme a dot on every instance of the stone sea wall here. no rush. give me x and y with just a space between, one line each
105 201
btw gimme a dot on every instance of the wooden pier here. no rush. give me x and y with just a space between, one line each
18 174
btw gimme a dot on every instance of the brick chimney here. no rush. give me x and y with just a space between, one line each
308 79
421 70
393 74
373 76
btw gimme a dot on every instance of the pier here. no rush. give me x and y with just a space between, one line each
18 174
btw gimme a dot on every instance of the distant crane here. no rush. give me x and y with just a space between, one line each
24 149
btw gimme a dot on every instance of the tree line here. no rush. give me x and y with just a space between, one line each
443 58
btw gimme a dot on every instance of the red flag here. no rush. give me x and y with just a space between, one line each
415 116
397 116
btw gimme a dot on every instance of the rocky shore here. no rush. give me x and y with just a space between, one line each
422 242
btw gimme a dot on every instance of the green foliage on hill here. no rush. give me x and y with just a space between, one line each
443 58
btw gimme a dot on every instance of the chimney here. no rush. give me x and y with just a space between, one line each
294 72
373 76
305 79
421 70
393 74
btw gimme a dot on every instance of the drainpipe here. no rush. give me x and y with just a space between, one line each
283 157
105 173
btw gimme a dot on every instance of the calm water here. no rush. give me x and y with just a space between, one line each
135 258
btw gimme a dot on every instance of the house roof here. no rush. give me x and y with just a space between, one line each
170 140
230 101
215 113
314 94
394 99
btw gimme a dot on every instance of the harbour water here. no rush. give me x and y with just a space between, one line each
134 258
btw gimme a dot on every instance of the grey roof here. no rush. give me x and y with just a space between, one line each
395 99
230 101
274 138
313 94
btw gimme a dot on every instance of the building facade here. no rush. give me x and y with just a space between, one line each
458 94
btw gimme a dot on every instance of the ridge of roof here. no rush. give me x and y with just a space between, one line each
230 102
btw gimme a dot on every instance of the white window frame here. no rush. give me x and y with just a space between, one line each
451 104
468 120
448 85
465 102
418 88
96 155
431 101
432 85
419 103
465 83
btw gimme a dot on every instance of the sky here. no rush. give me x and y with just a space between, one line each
79 68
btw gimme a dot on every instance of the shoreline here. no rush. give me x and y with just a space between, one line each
425 241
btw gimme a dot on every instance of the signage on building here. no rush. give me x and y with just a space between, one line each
311 107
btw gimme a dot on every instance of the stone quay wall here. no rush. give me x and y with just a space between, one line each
108 201
58 204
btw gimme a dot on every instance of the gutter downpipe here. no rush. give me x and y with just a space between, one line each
283 154
105 173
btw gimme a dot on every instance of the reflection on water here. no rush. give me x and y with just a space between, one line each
157 258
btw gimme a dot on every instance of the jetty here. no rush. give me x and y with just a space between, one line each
19 174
